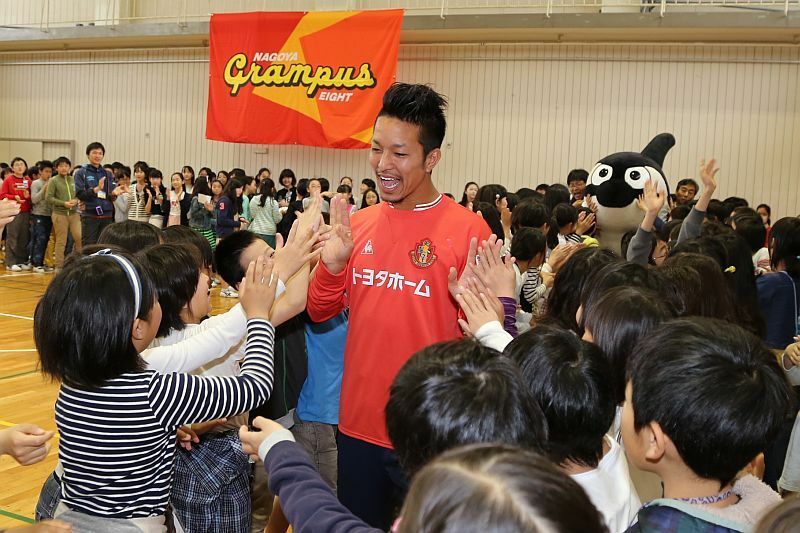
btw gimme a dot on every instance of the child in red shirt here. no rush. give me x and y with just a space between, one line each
394 264
17 187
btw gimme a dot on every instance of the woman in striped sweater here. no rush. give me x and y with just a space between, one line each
117 420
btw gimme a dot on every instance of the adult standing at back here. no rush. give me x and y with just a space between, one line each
94 187
397 259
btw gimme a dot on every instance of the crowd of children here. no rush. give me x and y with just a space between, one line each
409 365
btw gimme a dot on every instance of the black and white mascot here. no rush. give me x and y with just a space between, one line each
617 181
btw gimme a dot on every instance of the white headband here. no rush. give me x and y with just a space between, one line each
133 276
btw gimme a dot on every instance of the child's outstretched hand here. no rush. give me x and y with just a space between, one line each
455 284
479 308
298 250
493 271
26 443
257 289
251 440
708 174
585 222
651 201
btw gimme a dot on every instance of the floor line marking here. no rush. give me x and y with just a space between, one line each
19 350
16 316
15 516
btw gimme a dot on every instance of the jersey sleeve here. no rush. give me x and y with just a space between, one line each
326 297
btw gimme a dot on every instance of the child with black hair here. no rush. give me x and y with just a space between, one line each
177 202
265 212
122 177
41 221
699 438
447 395
529 248
17 187
564 227
157 195
64 203
202 216
572 381
779 291
138 197
107 395
132 236
750 228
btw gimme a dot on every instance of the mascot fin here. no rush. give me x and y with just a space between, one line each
657 148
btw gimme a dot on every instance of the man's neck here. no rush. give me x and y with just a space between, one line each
572 468
426 194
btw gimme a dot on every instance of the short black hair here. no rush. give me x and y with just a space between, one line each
175 271
556 194
679 212
287 173
565 295
620 274
688 181
131 235
717 210
543 187
491 193
617 320
45 164
186 235
95 146
455 393
420 105
61 160
784 244
302 187
369 182
82 324
751 229
572 381
703 290
577 174
563 214
526 192
716 429
530 213
527 243
228 255
491 215
155 173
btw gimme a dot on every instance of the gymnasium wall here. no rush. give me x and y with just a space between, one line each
519 114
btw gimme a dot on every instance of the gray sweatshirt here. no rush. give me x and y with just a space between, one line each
39 199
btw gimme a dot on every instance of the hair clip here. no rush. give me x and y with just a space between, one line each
731 269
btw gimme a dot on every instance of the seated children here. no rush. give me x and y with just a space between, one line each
704 398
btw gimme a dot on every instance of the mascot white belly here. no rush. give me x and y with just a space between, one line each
617 181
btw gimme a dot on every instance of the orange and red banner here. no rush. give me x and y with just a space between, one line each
315 79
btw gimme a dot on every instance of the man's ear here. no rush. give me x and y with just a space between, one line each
655 442
432 159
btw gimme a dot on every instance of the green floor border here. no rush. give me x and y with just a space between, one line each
21 518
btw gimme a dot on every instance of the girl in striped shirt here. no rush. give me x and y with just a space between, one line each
117 420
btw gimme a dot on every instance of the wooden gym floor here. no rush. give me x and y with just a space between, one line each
25 396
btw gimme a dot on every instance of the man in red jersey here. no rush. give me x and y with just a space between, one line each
393 265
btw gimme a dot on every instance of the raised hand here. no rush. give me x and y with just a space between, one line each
651 201
479 310
585 222
708 174
455 284
257 289
561 253
337 250
299 249
495 272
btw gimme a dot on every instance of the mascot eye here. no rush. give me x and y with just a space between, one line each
600 174
636 177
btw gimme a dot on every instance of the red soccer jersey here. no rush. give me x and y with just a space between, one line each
396 283
17 187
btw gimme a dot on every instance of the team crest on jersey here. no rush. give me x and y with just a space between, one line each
368 249
424 254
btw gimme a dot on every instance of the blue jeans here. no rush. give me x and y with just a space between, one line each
41 225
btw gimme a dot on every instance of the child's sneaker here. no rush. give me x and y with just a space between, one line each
214 282
228 292
39 270
15 268
26 266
